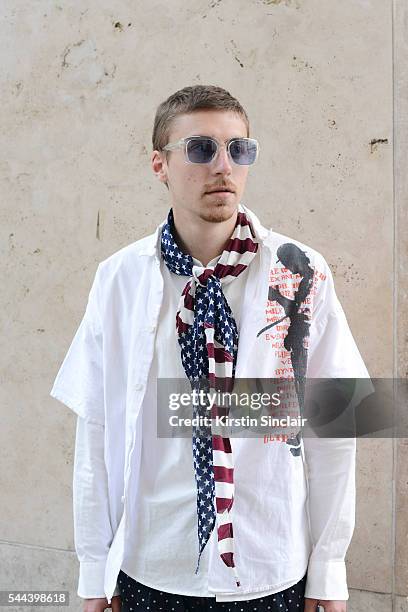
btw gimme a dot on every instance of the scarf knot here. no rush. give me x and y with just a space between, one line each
201 274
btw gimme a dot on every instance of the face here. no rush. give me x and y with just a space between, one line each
190 184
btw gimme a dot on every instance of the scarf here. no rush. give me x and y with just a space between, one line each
208 337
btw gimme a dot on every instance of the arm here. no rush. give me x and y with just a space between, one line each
92 527
80 386
330 462
331 505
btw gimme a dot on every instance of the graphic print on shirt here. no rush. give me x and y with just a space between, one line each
291 317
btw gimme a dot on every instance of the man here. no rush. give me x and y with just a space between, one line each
207 522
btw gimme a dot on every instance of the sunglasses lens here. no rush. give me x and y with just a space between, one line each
201 150
243 151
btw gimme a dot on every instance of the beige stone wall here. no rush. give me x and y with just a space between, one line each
80 82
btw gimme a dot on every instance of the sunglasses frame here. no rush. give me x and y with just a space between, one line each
183 143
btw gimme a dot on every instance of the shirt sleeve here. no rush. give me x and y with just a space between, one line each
80 383
92 526
330 462
80 386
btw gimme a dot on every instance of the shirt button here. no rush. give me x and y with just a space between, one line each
138 386
122 499
152 328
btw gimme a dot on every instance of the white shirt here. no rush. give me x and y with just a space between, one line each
162 552
301 509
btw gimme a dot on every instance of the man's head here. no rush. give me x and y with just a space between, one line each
200 110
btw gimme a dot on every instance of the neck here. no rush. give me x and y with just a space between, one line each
202 239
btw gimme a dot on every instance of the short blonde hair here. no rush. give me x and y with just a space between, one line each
188 100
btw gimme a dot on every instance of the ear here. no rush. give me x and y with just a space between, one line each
159 166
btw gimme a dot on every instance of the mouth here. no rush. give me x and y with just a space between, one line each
220 190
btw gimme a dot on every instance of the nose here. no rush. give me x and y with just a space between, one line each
222 163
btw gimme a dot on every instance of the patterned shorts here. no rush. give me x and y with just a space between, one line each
137 597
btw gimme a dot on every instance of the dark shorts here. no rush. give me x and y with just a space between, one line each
137 597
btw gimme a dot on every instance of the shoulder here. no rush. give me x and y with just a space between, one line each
129 260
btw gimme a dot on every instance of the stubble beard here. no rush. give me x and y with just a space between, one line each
218 211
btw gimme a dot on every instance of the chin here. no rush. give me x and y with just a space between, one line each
218 210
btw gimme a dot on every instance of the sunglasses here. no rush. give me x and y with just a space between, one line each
203 149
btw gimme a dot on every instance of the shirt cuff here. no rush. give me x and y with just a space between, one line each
91 579
326 580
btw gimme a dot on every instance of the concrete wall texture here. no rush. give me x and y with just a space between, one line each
325 86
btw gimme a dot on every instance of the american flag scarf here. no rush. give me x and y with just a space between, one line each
208 338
